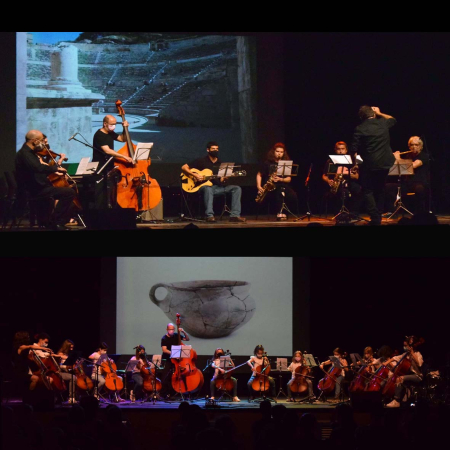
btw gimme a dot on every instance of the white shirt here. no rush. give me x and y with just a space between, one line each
215 365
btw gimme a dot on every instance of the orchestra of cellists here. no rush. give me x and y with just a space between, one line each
392 374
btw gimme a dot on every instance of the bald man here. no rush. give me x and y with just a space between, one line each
32 172
103 150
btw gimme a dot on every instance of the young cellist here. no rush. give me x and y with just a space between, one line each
257 360
215 364
297 361
67 347
337 352
414 375
136 393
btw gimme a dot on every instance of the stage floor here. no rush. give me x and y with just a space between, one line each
175 223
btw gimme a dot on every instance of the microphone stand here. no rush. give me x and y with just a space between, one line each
308 214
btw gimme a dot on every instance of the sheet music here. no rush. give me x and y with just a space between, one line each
226 169
142 151
341 159
284 168
85 167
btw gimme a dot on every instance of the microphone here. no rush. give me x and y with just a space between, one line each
73 136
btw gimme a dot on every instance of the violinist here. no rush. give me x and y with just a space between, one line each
136 393
337 352
21 347
298 361
257 360
217 371
96 371
414 375
32 172
169 339
67 347
103 150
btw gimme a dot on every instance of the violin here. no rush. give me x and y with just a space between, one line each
186 377
261 381
138 190
112 381
151 383
83 381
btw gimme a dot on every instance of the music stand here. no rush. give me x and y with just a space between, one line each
72 358
225 363
401 167
344 214
281 366
179 352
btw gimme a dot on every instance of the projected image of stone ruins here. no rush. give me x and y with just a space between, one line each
177 91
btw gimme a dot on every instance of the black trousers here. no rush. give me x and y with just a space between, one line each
290 197
65 195
373 183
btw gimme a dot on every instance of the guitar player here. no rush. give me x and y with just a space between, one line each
218 185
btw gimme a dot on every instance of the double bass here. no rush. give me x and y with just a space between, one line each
186 377
136 189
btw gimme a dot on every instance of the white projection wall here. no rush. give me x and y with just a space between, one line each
140 321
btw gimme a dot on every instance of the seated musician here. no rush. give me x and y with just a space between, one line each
103 150
67 347
354 190
255 361
21 347
32 172
297 361
337 352
217 371
282 189
419 183
136 393
169 339
415 374
97 370
218 185
97 377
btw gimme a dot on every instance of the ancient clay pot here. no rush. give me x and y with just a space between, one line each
209 309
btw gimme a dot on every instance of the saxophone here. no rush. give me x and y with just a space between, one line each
269 186
336 183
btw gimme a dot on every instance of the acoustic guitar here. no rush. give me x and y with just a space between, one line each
191 185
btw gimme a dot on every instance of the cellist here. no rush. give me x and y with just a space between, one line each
337 352
169 339
297 361
415 374
257 360
67 347
103 150
215 364
96 371
136 393
32 172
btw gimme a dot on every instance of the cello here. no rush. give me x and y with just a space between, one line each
54 372
299 384
137 190
328 383
41 370
186 377
402 368
223 381
261 382
83 381
112 381
64 180
151 383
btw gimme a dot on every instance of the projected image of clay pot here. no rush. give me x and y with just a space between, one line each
209 309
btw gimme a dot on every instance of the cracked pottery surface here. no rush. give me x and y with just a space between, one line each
209 308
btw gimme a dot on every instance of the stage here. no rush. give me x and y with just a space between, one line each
177 223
